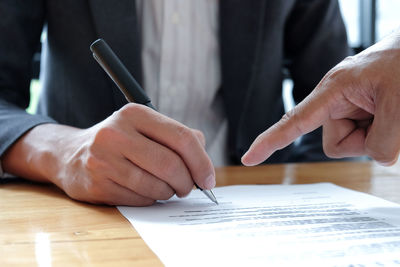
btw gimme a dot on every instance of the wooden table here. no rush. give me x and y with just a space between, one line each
39 225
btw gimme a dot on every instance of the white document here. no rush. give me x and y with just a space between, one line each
272 225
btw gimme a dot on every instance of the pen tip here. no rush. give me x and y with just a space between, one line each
214 199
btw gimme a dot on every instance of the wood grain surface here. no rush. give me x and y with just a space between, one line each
41 226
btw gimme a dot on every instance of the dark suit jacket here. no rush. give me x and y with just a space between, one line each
256 38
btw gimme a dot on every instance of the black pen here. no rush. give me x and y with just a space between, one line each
132 91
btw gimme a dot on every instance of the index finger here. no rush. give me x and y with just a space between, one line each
307 116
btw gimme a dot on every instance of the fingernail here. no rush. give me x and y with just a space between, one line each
210 182
246 161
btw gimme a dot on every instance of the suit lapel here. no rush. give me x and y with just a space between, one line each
116 22
241 33
241 28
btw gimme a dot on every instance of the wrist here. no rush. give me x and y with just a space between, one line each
38 154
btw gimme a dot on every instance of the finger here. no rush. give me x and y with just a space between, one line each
383 142
183 141
303 118
200 136
344 138
158 160
111 193
138 180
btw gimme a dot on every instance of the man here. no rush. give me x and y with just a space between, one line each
211 65
357 103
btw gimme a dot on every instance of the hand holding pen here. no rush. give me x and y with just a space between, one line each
184 145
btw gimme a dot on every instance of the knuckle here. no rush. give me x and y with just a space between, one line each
137 178
387 157
333 74
104 134
330 150
186 188
185 191
186 138
164 193
342 67
131 109
200 136
292 115
339 73
171 165
137 182
348 60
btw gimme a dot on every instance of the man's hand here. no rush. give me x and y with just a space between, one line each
358 105
134 157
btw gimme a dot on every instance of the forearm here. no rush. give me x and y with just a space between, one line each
34 155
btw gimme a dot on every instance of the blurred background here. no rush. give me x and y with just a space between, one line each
367 21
